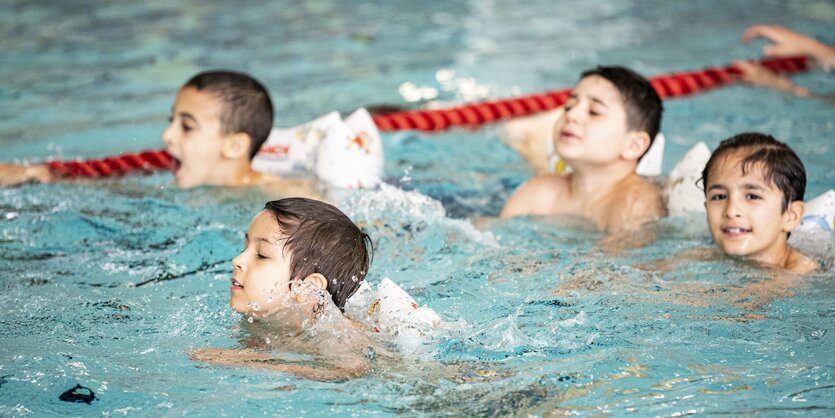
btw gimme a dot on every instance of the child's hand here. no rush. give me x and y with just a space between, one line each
758 75
788 42
13 174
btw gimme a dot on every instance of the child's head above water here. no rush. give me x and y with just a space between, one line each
641 101
218 122
754 187
295 246
613 113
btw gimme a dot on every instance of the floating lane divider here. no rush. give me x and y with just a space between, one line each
469 115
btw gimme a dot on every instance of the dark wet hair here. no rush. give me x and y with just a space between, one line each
322 239
641 101
247 106
781 166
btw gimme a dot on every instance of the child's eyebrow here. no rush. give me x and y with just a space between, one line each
601 102
186 115
717 186
262 239
753 186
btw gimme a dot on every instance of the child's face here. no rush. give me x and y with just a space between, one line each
593 126
745 213
261 273
194 137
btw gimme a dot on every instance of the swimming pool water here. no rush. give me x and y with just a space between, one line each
110 284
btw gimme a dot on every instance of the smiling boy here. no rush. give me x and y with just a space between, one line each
754 187
608 124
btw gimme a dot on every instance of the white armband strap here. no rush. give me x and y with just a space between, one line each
344 154
682 192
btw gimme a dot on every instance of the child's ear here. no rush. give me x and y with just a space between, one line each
793 215
636 144
312 281
236 146
318 280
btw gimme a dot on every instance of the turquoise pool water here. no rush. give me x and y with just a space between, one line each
567 328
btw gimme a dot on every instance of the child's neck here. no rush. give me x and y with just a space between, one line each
592 183
236 173
778 256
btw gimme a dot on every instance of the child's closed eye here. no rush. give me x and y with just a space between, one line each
262 256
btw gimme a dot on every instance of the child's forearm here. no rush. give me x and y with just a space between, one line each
256 360
13 174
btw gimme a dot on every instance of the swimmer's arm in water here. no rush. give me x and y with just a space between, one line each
14 174
348 368
756 74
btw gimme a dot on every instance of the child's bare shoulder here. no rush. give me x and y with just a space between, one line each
538 196
799 263
635 203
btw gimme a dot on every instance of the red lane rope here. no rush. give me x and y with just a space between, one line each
146 162
468 115
667 86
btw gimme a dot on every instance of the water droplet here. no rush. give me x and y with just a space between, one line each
354 279
334 281
255 306
250 319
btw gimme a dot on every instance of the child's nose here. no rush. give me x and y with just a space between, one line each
732 208
168 135
237 262
573 114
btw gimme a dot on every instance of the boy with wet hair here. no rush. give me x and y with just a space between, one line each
218 122
302 259
608 123
754 187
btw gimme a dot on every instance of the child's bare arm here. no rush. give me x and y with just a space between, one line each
348 369
788 42
529 137
758 75
13 174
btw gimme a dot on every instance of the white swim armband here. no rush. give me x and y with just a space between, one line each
350 155
392 311
682 193
344 154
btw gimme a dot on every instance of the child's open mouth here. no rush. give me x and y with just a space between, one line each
236 285
175 165
566 134
734 231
